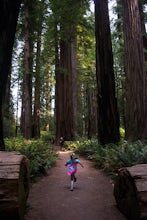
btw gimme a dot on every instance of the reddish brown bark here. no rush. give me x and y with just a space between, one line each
135 73
28 77
108 118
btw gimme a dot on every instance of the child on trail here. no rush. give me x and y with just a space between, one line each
72 169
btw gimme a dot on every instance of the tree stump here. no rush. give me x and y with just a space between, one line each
14 185
130 191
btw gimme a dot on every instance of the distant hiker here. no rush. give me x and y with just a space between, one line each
72 169
61 142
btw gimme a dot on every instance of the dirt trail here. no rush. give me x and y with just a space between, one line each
92 198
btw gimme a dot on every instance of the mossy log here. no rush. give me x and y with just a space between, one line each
14 185
130 191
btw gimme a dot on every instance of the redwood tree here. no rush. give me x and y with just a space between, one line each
37 104
108 117
67 88
9 11
66 67
28 73
135 73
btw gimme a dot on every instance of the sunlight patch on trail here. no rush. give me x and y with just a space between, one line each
65 152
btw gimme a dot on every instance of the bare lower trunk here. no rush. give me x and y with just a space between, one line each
135 73
28 78
108 117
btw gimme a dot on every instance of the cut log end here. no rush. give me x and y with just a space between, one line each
14 185
130 191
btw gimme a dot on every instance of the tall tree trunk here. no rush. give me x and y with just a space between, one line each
36 125
89 115
9 11
74 84
135 73
119 64
8 109
28 77
66 75
66 85
144 34
108 118
57 87
66 101
142 15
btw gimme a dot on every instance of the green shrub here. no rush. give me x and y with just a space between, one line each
111 157
47 136
14 144
69 145
40 155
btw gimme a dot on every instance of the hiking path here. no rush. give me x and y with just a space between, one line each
92 199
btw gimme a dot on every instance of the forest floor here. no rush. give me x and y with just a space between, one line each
92 199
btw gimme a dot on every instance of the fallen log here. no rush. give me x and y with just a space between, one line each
130 191
14 185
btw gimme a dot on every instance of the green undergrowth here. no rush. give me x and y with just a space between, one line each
40 154
111 157
47 136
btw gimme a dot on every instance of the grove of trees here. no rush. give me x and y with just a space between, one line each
76 72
